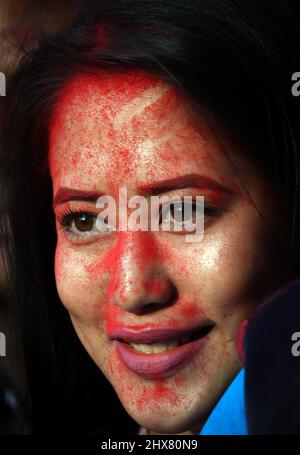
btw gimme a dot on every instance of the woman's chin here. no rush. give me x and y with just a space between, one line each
165 421
163 425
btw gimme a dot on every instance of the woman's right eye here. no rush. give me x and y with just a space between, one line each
81 224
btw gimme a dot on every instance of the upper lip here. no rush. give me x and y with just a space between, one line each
154 335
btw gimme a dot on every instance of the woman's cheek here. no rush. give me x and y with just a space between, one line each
79 291
231 266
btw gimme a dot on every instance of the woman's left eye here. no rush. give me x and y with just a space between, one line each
183 215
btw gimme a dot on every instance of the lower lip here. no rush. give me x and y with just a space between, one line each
161 365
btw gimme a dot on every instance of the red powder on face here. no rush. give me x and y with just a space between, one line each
145 249
112 317
115 100
130 262
144 397
159 394
111 269
191 310
240 336
180 379
156 287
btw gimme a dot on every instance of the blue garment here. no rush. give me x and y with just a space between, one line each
228 416
272 365
264 397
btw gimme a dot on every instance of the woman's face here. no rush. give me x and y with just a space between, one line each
156 313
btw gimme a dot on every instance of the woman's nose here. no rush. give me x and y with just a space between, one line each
140 283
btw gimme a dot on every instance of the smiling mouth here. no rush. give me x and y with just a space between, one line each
168 344
159 353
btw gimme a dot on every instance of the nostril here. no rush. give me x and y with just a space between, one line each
152 307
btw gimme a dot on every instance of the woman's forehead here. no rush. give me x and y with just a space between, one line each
105 94
128 127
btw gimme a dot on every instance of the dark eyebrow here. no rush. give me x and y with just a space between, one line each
200 181
197 180
69 194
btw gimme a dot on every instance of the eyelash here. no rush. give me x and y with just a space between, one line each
65 221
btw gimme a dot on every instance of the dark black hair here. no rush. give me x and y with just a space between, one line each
231 57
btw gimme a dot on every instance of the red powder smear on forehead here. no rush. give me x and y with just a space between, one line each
114 88
90 96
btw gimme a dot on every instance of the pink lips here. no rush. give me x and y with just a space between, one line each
155 366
